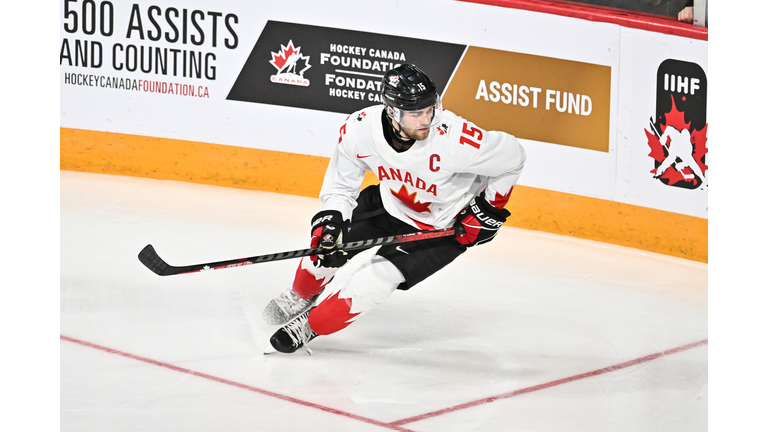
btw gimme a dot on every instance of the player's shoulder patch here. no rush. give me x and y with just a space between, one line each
444 129
361 116
450 124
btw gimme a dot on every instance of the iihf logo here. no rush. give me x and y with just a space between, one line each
290 65
678 133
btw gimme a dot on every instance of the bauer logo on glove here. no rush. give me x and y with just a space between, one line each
326 218
481 221
487 220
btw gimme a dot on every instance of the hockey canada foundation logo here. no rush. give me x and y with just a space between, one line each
345 70
290 65
677 135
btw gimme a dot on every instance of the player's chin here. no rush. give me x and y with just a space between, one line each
422 134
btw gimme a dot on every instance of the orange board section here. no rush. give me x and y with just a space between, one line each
296 174
610 222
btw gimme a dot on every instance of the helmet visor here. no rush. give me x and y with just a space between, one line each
417 119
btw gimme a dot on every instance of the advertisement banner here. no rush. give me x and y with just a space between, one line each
534 98
668 164
334 70
679 139
172 50
232 75
260 76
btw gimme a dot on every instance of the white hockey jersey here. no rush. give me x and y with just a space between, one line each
427 185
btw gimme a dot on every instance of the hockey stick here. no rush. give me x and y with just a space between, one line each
152 260
655 131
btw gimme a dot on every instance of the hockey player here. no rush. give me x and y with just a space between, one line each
436 170
679 147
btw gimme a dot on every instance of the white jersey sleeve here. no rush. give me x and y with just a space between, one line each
500 158
341 185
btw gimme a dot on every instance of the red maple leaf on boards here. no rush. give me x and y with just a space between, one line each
675 118
659 152
699 140
279 59
410 200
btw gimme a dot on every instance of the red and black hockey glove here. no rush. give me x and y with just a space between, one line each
480 220
328 228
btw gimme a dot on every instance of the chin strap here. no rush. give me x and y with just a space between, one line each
397 133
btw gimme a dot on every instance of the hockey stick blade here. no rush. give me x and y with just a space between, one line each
152 260
149 257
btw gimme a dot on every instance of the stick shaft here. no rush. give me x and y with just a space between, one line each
149 257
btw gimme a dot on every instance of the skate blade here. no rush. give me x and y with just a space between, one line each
271 350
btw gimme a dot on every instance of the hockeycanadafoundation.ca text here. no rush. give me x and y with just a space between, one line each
150 86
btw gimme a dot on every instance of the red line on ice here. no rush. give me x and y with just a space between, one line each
237 384
397 424
549 384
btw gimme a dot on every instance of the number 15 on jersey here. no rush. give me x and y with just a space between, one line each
471 135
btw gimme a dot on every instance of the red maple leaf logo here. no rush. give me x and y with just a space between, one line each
657 151
699 141
410 200
675 118
331 315
279 59
660 151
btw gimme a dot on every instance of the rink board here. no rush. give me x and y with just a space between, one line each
185 92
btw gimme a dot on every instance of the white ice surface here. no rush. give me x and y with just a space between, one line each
527 309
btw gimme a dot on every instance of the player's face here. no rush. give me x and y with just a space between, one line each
416 124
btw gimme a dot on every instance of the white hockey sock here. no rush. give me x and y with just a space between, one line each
373 283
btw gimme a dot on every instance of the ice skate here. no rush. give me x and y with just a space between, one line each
286 307
292 337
